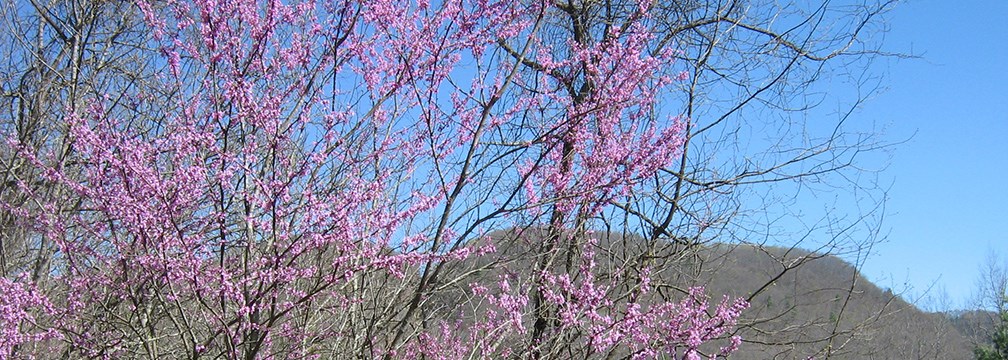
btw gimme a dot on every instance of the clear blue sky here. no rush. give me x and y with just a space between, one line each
948 205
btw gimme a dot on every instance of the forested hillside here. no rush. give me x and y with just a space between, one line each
826 299
801 303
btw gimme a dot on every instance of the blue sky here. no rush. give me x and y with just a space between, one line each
948 204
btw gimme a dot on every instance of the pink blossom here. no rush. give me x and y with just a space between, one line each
317 164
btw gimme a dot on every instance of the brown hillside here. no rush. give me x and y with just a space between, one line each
802 304
824 308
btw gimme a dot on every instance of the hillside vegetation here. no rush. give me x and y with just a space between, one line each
802 304
825 296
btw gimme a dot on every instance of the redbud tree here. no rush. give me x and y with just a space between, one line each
323 179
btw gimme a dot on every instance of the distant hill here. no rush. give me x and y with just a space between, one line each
975 325
792 315
802 304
